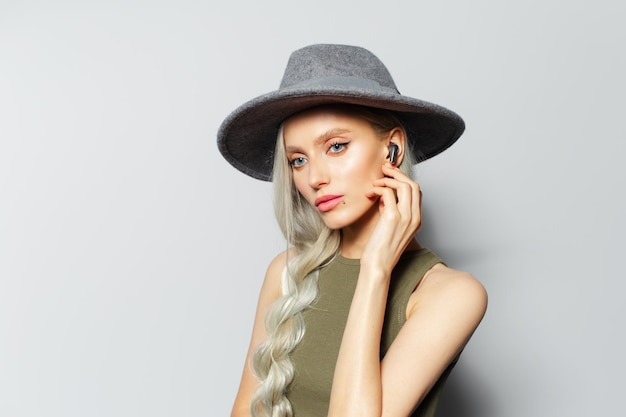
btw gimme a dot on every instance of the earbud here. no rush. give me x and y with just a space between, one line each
393 153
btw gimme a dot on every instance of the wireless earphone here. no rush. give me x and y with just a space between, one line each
393 153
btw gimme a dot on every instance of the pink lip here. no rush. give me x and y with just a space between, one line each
327 202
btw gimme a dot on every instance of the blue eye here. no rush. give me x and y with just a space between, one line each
338 147
297 162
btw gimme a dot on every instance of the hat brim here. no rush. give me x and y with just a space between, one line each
247 137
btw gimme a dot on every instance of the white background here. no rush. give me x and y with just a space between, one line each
131 253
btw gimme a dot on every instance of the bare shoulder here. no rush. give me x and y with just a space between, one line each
273 275
270 292
280 260
450 288
443 312
443 278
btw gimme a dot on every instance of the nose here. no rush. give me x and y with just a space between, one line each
318 174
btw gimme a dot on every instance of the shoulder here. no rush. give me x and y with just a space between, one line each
270 292
277 265
273 275
444 287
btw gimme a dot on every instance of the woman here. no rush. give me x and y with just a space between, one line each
354 318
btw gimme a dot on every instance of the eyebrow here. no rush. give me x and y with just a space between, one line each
321 138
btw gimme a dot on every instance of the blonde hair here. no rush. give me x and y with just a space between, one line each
315 245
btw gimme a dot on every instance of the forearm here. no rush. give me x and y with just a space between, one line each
357 388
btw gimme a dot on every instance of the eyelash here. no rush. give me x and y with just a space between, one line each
342 144
294 164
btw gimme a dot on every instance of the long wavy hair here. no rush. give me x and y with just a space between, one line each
315 245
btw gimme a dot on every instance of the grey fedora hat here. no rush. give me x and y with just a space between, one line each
330 74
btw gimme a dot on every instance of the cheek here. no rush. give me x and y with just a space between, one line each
299 183
367 167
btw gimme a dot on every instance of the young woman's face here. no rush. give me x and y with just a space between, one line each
335 157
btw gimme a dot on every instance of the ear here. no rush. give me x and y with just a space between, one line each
397 137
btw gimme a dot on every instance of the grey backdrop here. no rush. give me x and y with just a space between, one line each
131 254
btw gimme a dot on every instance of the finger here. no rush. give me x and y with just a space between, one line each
406 191
398 206
409 195
386 197
394 172
382 191
410 201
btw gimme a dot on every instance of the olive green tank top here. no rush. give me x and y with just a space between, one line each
315 356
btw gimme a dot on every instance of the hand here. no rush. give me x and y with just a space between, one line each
400 205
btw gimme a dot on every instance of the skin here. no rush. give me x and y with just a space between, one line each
380 212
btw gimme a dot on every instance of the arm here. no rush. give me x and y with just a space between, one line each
270 291
443 312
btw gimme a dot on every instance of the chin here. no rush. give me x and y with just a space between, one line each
334 222
335 225
337 221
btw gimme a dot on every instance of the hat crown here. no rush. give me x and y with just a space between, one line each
324 61
326 74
